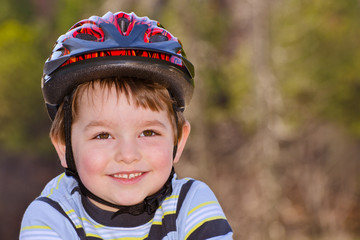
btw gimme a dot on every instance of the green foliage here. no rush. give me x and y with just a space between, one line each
317 59
237 77
69 12
22 10
24 46
224 68
20 95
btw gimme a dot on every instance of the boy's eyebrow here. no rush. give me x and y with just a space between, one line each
100 123
96 123
153 122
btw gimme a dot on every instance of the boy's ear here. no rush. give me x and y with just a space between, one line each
181 143
60 149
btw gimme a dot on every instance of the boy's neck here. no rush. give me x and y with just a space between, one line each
106 218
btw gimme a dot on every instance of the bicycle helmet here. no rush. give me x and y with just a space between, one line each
116 45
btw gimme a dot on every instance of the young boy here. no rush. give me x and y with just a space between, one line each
115 88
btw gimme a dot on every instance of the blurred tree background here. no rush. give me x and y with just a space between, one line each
275 116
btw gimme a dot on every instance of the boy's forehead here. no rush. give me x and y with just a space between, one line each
100 107
96 96
99 95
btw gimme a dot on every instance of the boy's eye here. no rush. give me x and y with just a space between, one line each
148 133
103 136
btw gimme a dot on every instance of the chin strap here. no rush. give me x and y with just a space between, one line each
176 109
71 168
150 203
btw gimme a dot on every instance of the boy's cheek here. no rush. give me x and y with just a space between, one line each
89 162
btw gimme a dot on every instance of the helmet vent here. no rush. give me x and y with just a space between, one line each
86 36
158 38
124 24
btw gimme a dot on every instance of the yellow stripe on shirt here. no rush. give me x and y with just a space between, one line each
201 223
201 205
34 227
57 185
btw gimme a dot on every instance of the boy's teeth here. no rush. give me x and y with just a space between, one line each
127 176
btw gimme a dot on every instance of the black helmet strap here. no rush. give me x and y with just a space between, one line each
71 168
150 203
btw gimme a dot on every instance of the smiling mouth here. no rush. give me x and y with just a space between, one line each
127 176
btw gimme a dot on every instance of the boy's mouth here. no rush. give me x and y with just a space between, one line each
127 176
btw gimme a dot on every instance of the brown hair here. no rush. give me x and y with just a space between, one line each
144 94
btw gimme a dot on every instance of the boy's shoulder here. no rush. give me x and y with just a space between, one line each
45 215
62 192
194 194
189 186
42 219
42 216
199 214
60 188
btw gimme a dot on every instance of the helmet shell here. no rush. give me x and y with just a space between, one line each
116 45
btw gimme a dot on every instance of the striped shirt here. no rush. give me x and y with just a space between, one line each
62 212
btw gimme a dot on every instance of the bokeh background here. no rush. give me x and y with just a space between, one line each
275 116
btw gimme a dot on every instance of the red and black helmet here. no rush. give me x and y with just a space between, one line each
116 45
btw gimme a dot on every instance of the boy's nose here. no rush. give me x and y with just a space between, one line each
127 151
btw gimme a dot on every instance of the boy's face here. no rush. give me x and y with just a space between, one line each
123 153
